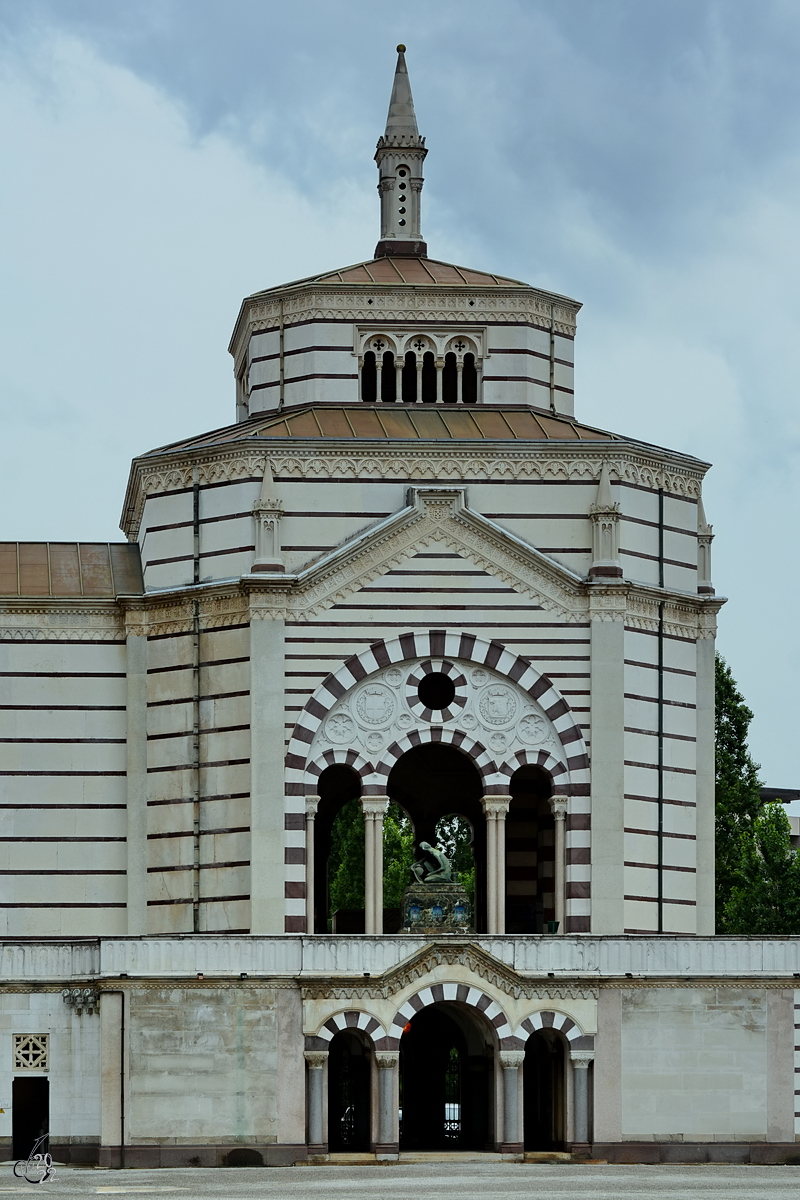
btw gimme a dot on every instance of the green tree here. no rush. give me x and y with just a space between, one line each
765 897
738 800
398 855
454 836
346 859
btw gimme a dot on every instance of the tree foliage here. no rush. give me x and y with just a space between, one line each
346 860
757 871
765 897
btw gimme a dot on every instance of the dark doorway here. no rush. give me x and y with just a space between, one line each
434 781
30 1112
338 853
445 1079
348 1093
544 1092
530 853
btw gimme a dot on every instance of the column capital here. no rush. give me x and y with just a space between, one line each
316 1059
495 807
581 1059
386 1060
374 807
511 1060
558 807
312 804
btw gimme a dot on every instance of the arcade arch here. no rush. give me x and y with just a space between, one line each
485 712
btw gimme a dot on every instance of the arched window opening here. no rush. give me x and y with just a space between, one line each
435 781
530 853
450 379
428 378
369 378
388 378
339 853
348 1093
409 382
469 380
544 1091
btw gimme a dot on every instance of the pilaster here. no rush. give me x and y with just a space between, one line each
607 756
267 671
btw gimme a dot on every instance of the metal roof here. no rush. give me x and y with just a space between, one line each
379 422
90 569
411 270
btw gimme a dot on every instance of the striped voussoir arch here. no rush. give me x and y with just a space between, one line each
329 758
437 643
570 776
558 1021
350 1019
462 993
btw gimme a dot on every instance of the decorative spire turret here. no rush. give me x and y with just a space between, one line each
400 154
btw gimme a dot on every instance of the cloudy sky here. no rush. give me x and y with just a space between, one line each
159 159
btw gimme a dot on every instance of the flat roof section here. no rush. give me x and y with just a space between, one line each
88 569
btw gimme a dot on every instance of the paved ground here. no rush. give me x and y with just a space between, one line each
473 1181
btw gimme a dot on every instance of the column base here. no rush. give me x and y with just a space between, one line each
511 1148
387 1151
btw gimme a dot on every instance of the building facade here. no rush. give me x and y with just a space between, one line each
406 573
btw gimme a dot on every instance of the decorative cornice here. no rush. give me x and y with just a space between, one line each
60 620
437 954
316 458
407 303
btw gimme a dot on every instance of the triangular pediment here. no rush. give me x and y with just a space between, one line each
439 520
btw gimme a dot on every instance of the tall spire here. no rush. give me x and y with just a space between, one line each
400 154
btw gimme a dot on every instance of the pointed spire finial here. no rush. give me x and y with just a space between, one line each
400 154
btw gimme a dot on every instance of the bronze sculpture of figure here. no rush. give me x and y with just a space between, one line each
432 866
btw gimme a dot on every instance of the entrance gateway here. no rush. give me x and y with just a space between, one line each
446 1086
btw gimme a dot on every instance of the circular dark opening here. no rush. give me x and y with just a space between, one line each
436 691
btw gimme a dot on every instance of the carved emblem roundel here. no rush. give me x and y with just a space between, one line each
498 705
375 705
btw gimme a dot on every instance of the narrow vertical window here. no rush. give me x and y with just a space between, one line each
388 378
369 378
428 378
450 379
469 380
410 378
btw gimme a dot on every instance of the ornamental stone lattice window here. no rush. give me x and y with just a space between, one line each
31 1052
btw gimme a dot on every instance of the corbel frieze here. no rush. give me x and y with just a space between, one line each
32 622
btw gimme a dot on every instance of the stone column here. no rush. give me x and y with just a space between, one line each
558 805
316 1059
374 810
419 379
459 381
580 1079
511 1061
495 809
439 369
312 803
388 1144
398 378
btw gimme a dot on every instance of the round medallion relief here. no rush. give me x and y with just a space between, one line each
532 729
469 721
374 741
498 742
405 721
479 676
498 705
375 705
394 677
340 728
